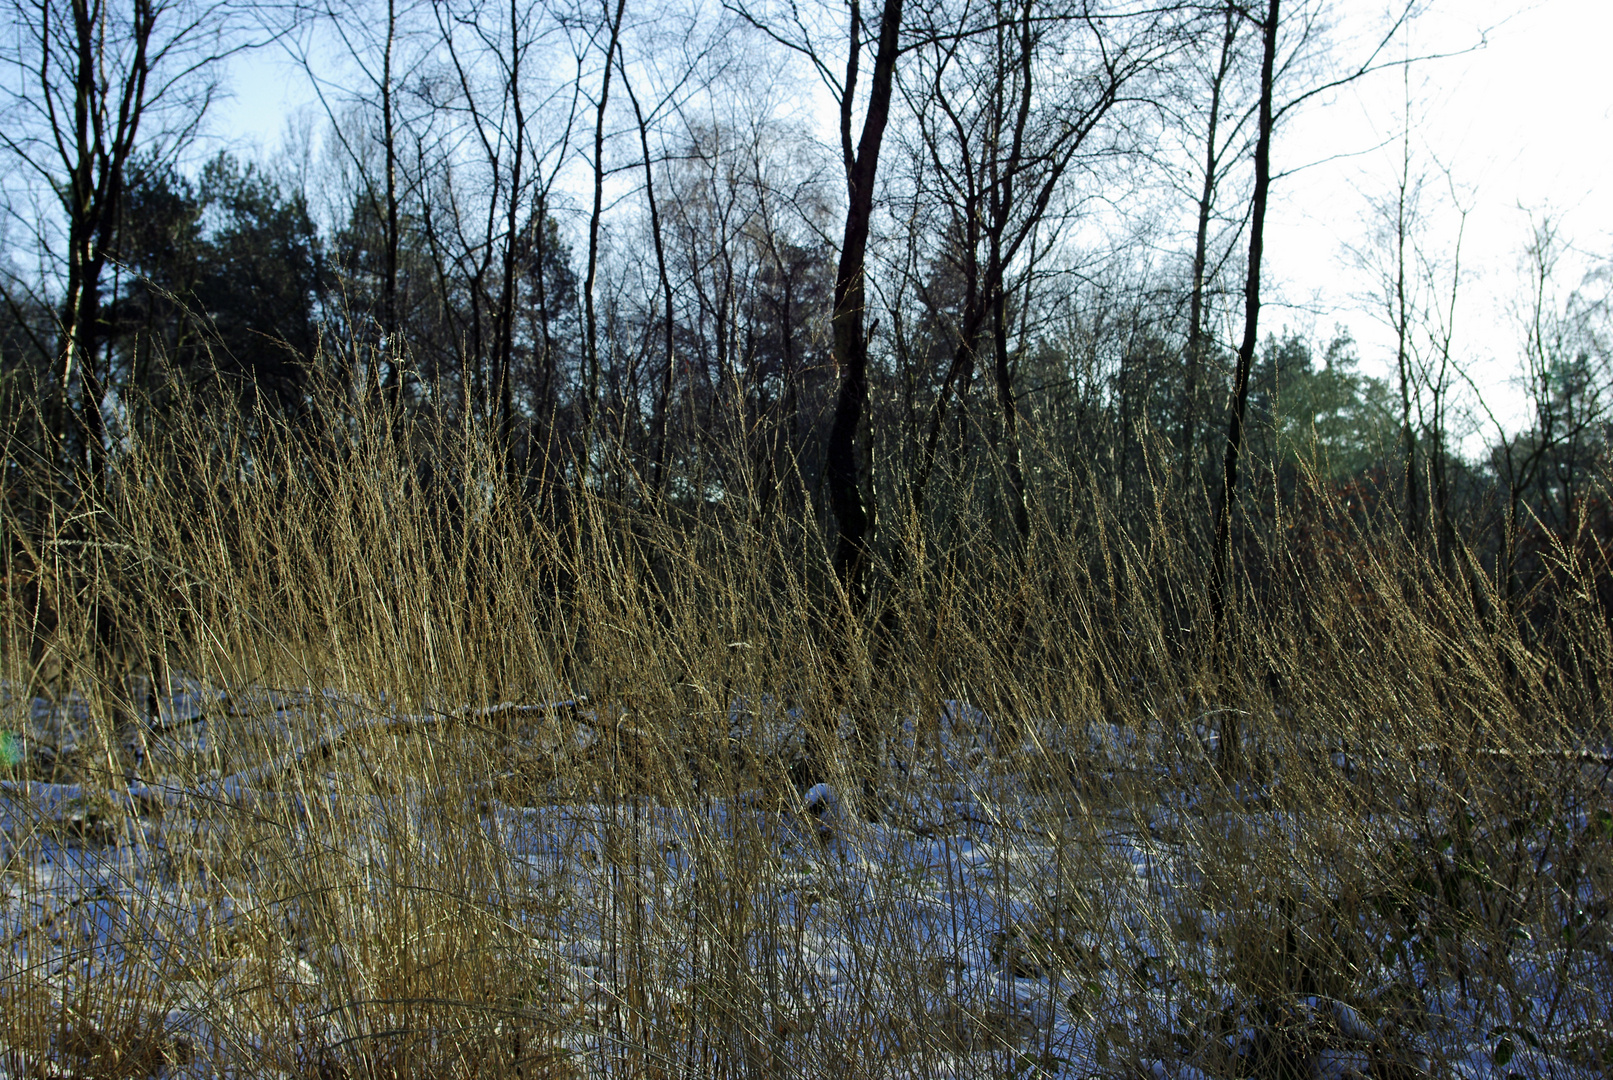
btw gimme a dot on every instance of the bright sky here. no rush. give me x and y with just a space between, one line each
1524 124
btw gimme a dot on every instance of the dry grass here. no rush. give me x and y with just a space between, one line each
345 861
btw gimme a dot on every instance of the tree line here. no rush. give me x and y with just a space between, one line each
848 266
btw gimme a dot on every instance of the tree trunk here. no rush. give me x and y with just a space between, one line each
388 377
1401 317
591 316
97 154
1221 585
1013 462
1201 247
663 403
841 470
504 343
1001 202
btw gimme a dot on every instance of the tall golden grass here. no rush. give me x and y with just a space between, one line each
619 875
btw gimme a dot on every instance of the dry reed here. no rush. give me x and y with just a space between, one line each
340 752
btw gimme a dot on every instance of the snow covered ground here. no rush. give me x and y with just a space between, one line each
275 894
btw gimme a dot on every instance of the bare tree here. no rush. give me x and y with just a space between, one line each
1399 303
611 29
91 83
1567 360
860 158
1221 583
383 46
1438 371
1414 301
1220 147
1305 27
744 207
690 72
506 131
1003 124
850 339
664 398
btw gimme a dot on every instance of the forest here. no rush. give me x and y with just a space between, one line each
1036 253
780 537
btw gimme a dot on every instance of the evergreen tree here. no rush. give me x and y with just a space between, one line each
223 275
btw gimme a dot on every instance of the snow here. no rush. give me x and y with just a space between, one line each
972 929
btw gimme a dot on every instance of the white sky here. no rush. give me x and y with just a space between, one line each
1525 125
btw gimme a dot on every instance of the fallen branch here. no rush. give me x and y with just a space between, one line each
67 802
